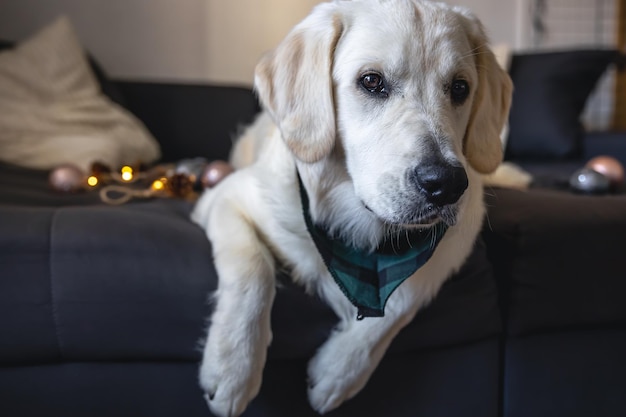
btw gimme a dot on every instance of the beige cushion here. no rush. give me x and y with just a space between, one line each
53 112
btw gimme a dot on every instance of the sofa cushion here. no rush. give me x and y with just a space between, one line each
411 385
102 283
133 282
191 120
85 281
606 143
52 110
569 373
559 258
551 89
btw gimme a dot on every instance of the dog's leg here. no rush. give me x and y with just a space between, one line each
344 364
236 346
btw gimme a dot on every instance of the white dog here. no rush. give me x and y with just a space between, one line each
381 116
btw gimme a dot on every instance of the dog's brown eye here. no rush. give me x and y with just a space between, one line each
374 83
459 91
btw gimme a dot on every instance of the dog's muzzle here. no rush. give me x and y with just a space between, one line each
440 185
440 182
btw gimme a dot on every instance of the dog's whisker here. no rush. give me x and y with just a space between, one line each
478 50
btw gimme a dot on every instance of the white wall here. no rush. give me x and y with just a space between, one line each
239 31
506 21
195 40
216 40
133 38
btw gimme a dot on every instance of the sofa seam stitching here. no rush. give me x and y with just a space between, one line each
53 298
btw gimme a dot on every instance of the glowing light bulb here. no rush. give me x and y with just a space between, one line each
158 185
92 181
127 173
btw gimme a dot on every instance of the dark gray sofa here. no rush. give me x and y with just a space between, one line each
102 308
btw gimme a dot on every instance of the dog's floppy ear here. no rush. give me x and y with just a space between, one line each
294 84
490 109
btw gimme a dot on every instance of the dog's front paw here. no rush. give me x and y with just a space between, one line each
231 378
338 372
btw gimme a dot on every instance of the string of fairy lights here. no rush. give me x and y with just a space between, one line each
184 179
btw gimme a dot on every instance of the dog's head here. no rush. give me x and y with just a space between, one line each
407 91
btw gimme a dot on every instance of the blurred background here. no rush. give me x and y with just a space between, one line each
220 41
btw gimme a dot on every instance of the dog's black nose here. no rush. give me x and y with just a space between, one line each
442 183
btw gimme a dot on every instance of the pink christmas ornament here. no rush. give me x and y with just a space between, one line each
215 172
608 166
67 178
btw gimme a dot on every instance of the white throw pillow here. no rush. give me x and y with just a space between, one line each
52 110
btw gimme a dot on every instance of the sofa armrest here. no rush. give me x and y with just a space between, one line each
191 120
559 258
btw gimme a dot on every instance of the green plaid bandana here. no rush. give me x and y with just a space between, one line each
368 279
